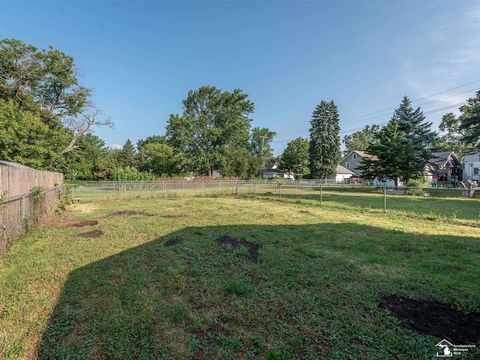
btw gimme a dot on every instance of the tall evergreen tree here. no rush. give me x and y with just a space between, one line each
128 154
389 153
324 147
419 137
470 120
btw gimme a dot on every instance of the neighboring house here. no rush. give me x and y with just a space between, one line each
444 166
354 159
343 175
275 172
472 166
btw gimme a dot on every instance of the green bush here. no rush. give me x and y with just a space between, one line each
131 174
415 187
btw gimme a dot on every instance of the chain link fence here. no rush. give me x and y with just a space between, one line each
19 213
431 201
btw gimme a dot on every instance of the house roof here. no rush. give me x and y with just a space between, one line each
343 170
473 152
362 154
439 158
366 155
12 164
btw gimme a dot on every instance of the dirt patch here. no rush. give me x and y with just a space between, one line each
435 319
91 234
129 213
173 216
84 223
172 242
252 247
305 212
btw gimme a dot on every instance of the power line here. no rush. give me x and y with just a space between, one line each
418 99
345 132
384 112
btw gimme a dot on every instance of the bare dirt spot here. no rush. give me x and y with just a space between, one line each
84 223
252 247
129 213
91 234
173 216
433 318
305 212
172 242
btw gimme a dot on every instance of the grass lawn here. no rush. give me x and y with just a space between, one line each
313 292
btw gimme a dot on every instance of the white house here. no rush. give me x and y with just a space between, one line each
275 172
343 174
471 170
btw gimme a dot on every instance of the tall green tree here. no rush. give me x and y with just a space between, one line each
295 157
26 139
470 121
45 82
418 134
159 159
128 154
324 146
89 161
212 123
261 146
152 139
451 137
359 140
390 155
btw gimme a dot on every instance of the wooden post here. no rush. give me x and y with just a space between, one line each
255 190
164 190
236 189
22 207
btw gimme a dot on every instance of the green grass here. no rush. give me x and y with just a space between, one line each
313 294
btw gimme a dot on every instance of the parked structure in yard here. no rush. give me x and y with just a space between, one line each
343 175
472 166
275 172
19 207
354 159
444 167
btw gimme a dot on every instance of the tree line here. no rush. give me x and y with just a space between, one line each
47 120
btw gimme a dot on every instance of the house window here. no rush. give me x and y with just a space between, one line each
354 156
348 165
475 171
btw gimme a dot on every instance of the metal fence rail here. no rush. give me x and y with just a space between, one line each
18 213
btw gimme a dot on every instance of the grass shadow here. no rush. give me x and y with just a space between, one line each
313 293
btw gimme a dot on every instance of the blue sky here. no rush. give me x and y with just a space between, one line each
141 57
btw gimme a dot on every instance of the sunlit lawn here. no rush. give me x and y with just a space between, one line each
314 292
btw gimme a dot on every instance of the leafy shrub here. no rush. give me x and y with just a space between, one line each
131 174
415 187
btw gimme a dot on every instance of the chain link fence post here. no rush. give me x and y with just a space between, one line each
321 195
385 199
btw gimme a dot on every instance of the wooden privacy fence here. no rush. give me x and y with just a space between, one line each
20 207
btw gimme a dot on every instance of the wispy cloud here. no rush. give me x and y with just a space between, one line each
446 56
